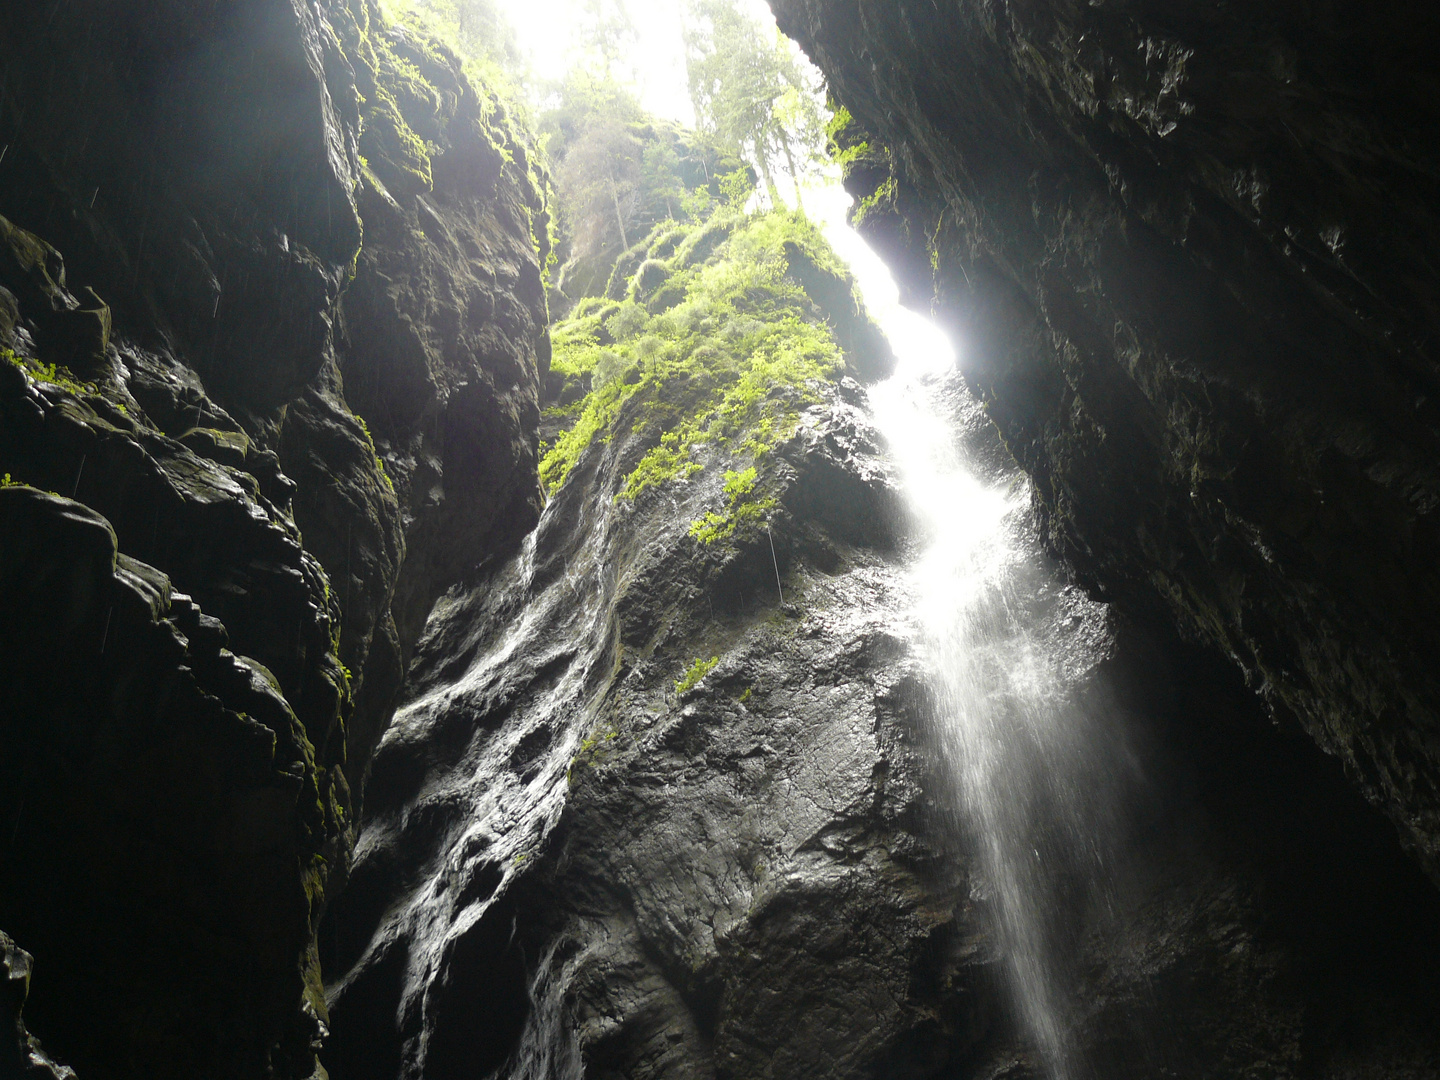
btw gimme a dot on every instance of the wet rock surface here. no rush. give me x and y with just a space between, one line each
159 782
273 333
551 816
204 213
573 866
1184 247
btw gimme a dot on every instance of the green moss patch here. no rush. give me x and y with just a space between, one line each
738 351
417 89
56 375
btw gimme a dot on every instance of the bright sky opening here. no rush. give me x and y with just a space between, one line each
547 28
547 32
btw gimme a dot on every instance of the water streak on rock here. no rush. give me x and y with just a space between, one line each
1037 777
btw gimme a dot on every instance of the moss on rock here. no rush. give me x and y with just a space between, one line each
749 338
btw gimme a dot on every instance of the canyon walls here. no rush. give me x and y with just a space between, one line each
231 235
669 798
664 795
1186 247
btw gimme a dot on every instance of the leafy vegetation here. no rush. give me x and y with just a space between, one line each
617 171
418 69
753 94
716 345
57 375
741 509
697 671
477 29
620 172
593 750
861 157
692 328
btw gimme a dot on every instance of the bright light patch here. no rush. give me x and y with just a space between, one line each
547 32
921 346
548 36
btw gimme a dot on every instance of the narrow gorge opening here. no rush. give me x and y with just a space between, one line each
1040 726
807 539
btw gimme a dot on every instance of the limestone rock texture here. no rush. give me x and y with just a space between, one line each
272 332
579 859
1185 248
573 857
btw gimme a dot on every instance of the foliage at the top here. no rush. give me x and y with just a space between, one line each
754 95
415 81
598 35
478 31
717 345
618 173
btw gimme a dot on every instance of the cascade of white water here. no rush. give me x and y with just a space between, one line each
1035 774
1002 737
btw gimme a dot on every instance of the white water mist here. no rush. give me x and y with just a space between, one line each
1037 769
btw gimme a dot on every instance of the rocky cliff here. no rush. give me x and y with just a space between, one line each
232 235
667 793
668 798
1186 247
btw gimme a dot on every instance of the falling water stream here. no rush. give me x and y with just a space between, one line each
1034 762
1036 768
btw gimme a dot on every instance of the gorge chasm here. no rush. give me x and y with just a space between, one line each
408 669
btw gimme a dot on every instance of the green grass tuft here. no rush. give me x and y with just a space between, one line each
697 671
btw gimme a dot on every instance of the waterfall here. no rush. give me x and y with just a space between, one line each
1037 769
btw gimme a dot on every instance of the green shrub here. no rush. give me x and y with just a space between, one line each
730 365
697 671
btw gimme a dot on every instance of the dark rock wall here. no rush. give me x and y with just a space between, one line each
172 823
1186 248
548 816
23 1055
214 219
571 868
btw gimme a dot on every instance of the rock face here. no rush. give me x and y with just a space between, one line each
22 1056
1186 249
640 817
573 867
552 817
207 618
158 783
667 796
